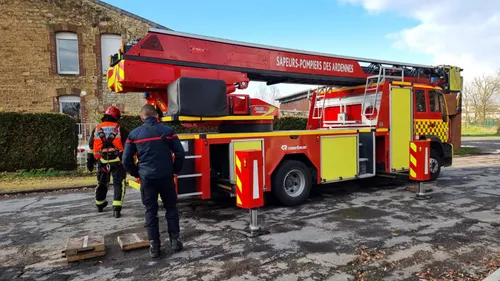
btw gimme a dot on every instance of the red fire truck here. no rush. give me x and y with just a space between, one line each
359 125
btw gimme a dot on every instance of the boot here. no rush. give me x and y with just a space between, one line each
116 212
154 250
100 208
175 243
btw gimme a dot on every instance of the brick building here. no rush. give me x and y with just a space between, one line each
296 103
55 53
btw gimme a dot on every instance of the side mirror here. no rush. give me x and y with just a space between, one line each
459 103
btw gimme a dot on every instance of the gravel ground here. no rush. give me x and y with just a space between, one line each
366 231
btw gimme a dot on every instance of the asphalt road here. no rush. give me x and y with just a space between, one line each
485 144
381 232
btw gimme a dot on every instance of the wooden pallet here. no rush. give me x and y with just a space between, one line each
82 248
132 241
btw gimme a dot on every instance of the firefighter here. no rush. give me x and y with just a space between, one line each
106 148
154 143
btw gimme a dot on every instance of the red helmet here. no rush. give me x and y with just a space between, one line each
113 112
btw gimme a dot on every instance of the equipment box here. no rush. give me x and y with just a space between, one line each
197 97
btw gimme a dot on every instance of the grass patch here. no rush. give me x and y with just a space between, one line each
40 179
467 151
478 131
44 173
30 184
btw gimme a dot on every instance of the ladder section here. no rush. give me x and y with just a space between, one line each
186 179
333 111
371 99
319 102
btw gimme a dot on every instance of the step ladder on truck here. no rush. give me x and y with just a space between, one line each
359 125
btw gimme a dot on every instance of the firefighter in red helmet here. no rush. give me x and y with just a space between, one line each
106 148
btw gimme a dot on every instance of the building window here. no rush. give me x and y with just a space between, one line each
67 53
70 105
420 97
110 44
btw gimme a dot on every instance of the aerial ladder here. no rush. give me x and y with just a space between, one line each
176 70
161 57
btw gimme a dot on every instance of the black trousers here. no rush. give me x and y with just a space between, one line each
103 178
150 189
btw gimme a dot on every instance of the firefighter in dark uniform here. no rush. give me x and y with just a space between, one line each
106 148
153 144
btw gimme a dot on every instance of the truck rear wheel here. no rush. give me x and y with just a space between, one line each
291 183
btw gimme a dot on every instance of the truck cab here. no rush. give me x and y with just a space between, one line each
431 121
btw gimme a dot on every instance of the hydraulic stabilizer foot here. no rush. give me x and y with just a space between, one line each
254 228
421 195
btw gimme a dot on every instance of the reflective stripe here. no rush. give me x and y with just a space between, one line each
104 161
120 202
124 188
151 139
144 140
100 202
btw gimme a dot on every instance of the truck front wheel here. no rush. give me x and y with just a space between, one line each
435 165
292 182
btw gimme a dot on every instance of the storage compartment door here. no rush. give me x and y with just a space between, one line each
339 158
242 145
401 128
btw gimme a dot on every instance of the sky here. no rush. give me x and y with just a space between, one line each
455 32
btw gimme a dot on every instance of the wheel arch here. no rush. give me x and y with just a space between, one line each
436 143
302 157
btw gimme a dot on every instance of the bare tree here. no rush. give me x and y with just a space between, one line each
481 95
268 94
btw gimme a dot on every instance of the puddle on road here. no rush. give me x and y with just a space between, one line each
319 247
362 213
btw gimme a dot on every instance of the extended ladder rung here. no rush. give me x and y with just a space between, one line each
341 122
192 156
189 194
189 176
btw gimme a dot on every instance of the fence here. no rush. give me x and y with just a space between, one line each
84 131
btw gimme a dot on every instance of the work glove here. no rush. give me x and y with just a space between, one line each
90 162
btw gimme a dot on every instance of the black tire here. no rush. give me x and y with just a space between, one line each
435 160
293 171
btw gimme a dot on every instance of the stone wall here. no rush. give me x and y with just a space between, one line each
29 81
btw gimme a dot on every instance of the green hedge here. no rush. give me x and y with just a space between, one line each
290 123
282 124
37 141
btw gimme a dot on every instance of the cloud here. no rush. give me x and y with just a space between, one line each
465 33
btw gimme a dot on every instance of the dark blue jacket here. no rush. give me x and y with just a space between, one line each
153 152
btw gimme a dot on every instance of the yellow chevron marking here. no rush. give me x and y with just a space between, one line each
238 183
412 173
111 79
238 200
121 73
413 147
238 163
413 160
